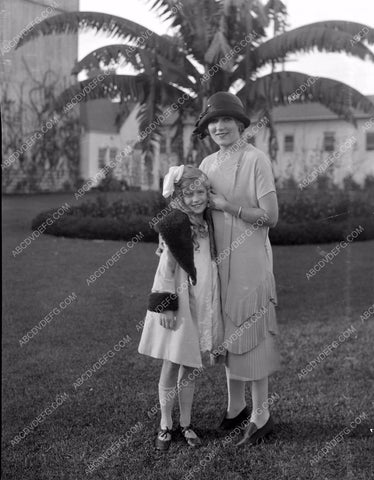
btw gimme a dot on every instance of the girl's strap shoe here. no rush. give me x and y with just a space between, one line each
163 440
190 436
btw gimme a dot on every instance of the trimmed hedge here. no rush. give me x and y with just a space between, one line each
121 219
89 227
130 204
298 207
304 218
320 232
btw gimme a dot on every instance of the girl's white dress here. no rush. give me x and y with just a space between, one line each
199 325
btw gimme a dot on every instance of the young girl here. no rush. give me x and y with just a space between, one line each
183 316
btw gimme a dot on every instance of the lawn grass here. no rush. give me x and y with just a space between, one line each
310 411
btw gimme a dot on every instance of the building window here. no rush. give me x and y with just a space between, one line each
288 143
329 141
102 157
113 154
369 140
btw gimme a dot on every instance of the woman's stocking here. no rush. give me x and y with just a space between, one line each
236 396
260 407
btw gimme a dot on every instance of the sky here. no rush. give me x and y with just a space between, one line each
355 72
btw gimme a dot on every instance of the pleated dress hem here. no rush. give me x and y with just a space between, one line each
260 362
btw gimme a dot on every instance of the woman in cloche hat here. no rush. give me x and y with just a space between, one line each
245 206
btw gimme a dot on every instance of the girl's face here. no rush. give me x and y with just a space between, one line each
195 198
224 131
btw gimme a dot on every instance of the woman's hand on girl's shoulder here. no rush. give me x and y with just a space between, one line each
168 319
217 202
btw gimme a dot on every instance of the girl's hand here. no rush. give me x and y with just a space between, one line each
217 202
168 319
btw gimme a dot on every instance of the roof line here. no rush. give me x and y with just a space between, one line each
317 119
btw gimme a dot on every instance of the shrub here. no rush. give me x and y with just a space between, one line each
106 228
142 203
317 215
299 207
304 218
78 183
320 232
99 219
369 184
111 184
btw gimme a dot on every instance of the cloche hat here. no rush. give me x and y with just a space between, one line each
221 104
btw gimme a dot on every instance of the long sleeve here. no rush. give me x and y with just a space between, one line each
163 296
165 274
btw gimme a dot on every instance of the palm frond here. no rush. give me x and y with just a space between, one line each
134 88
218 48
179 57
147 113
308 37
239 8
174 72
113 26
357 31
279 87
243 17
257 10
197 23
107 55
275 6
167 9
240 20
152 112
125 88
302 39
153 95
276 10
140 58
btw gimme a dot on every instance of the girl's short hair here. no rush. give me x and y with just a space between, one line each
191 177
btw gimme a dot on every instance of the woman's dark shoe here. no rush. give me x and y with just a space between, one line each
163 440
231 423
253 435
190 436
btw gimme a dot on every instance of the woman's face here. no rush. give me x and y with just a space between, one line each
195 198
224 131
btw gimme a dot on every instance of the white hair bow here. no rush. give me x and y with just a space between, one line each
173 176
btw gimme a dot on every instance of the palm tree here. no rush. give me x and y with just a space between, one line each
216 44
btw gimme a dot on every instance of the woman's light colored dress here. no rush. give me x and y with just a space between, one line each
199 326
245 264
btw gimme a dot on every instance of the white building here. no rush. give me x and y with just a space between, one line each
308 134
102 139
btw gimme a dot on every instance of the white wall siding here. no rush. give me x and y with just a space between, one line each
309 152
